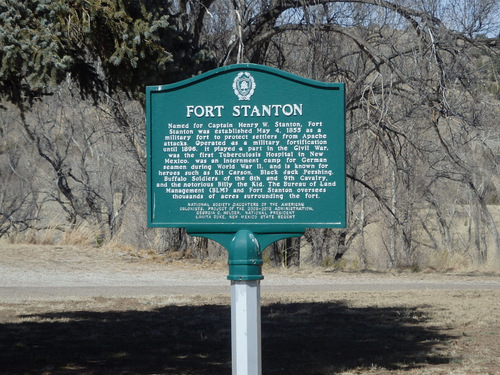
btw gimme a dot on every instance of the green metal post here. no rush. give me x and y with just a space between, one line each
245 257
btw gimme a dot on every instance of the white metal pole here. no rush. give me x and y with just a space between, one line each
245 327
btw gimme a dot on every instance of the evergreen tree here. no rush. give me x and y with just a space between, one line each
103 45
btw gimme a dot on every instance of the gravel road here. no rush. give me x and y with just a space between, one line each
51 272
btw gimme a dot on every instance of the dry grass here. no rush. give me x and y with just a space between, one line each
53 234
417 332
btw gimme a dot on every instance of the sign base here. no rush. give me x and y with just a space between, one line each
245 273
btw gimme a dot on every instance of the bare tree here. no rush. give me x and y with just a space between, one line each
404 63
422 109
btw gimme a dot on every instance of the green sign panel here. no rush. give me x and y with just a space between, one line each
246 147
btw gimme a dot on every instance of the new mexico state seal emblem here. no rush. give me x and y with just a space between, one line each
244 86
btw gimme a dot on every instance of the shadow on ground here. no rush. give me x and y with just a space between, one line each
298 338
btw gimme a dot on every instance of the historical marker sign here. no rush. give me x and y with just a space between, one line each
246 147
246 155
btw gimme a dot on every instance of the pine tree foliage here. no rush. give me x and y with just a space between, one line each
103 45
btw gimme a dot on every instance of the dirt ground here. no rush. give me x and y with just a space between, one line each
80 310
